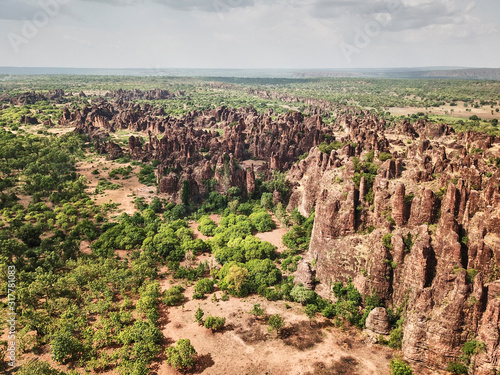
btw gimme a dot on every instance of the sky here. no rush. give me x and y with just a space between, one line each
249 34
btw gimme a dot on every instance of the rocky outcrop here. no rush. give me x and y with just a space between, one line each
378 321
441 209
202 146
304 275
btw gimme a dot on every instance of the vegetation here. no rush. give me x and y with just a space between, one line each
173 296
181 356
276 323
98 310
257 311
399 367
215 323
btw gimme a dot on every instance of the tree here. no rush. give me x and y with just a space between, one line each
203 286
311 311
399 367
266 201
199 315
457 368
302 295
263 221
65 346
186 192
173 296
182 355
236 277
30 235
276 322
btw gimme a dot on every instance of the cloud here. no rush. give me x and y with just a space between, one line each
206 5
186 5
445 18
16 10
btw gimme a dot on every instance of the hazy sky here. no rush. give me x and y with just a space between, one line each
249 33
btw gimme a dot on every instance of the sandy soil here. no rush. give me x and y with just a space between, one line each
125 195
459 111
245 346
274 236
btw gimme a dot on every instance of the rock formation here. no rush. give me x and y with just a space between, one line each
440 204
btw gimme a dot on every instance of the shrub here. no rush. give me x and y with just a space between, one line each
457 368
65 346
399 367
262 221
182 355
383 156
328 311
257 311
327 148
199 315
215 323
236 277
302 295
386 241
396 338
276 322
173 296
207 226
311 311
38 368
204 286
473 347
266 201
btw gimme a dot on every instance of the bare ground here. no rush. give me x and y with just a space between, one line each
246 347
125 195
458 111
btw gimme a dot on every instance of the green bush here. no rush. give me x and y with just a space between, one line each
386 241
266 201
65 346
399 367
457 368
396 338
173 296
199 315
258 311
383 156
327 148
203 286
473 347
262 221
38 368
302 295
181 356
215 323
276 323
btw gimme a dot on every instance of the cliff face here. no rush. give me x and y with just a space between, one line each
439 198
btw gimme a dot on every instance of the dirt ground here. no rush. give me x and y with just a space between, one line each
458 111
125 195
274 236
246 347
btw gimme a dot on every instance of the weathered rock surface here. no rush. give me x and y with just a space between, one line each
441 206
378 321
